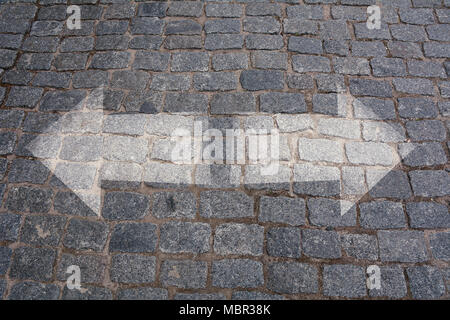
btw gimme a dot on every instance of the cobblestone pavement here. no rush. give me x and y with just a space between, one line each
86 149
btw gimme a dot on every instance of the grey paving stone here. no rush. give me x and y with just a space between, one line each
90 293
128 268
305 12
284 242
146 25
183 27
28 290
269 60
217 176
133 237
146 102
120 11
292 277
391 184
426 4
129 80
120 123
110 60
316 180
388 67
8 58
362 32
439 245
81 148
167 175
225 204
408 32
352 66
184 274
369 153
353 180
10 41
293 123
62 100
35 61
90 79
223 10
77 44
29 199
403 49
425 282
282 210
43 230
330 104
277 102
422 154
125 206
40 44
86 235
254 80
23 170
393 284
215 81
360 246
170 82
321 244
444 88
46 28
192 237
307 63
421 130
92 267
15 77
5 259
417 108
373 88
320 150
336 47
120 148
343 128
436 49
143 293
428 215
234 273
383 131
233 103
382 215
241 239
189 61
230 61
330 83
24 97
70 61
152 9
120 175
402 246
223 26
9 226
263 9
185 9
73 176
331 213
78 205
334 30
427 69
111 27
261 25
263 42
344 281
32 263
173 205
430 183
7 142
368 49
145 42
438 32
419 86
